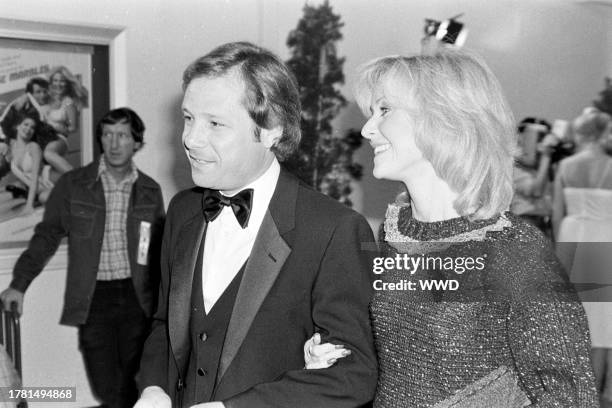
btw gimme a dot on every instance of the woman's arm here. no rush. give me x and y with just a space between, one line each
20 101
548 332
72 115
565 250
537 188
558 205
536 185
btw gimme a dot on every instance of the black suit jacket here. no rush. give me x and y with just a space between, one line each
307 272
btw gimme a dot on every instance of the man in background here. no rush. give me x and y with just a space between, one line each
113 216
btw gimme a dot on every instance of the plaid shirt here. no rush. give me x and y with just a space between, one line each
114 261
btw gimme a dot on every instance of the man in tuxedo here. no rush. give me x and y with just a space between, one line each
253 261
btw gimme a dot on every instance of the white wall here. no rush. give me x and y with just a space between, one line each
550 55
606 12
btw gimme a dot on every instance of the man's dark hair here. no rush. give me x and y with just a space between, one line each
122 115
42 82
271 97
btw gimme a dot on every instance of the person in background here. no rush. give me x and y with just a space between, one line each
36 95
31 102
509 332
34 103
582 221
5 157
67 97
532 198
112 214
26 163
606 141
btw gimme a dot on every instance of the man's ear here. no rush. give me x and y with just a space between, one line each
137 146
270 137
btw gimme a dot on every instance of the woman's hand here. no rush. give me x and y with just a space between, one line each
317 355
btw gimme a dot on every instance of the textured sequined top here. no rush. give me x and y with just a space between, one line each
507 330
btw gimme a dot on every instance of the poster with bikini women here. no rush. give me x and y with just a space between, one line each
44 118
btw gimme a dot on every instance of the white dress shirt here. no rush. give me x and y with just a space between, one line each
227 246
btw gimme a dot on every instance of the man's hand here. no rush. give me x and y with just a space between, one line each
4 148
153 397
10 295
215 404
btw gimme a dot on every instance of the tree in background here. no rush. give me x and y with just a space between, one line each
324 159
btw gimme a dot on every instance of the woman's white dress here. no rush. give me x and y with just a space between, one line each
589 223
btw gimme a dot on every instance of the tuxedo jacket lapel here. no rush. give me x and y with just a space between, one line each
187 247
269 253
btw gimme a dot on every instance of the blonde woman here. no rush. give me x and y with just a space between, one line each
503 329
67 97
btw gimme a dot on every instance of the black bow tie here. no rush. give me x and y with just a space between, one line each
213 202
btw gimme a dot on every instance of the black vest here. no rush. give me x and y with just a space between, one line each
207 335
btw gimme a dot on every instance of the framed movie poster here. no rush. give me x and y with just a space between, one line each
49 86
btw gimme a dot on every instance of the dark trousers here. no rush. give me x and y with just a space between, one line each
111 342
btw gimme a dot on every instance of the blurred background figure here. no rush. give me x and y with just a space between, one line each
540 147
5 160
67 97
26 165
31 102
532 199
582 222
606 142
24 154
36 95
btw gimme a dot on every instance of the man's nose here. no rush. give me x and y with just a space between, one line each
195 136
114 141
